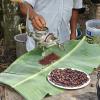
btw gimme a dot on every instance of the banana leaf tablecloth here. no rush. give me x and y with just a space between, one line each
29 78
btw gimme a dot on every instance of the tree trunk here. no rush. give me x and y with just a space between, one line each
10 22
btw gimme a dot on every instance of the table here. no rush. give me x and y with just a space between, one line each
87 93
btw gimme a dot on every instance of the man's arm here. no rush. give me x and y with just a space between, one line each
38 21
73 23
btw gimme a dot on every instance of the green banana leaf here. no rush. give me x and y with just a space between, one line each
29 78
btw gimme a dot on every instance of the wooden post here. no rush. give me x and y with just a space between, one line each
98 11
7 93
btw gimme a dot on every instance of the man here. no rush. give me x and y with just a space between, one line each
54 14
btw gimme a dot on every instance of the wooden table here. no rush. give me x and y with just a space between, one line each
87 93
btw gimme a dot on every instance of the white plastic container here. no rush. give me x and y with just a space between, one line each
93 31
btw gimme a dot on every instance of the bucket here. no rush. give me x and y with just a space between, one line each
93 31
20 44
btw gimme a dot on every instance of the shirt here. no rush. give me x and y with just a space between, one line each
57 14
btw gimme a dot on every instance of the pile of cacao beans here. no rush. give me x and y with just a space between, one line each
68 77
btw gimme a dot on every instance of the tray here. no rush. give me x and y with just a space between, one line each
70 88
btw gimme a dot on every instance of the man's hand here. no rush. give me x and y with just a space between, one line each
38 22
19 1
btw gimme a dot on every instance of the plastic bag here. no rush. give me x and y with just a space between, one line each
30 43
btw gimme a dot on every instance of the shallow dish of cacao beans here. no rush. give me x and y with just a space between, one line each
68 78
